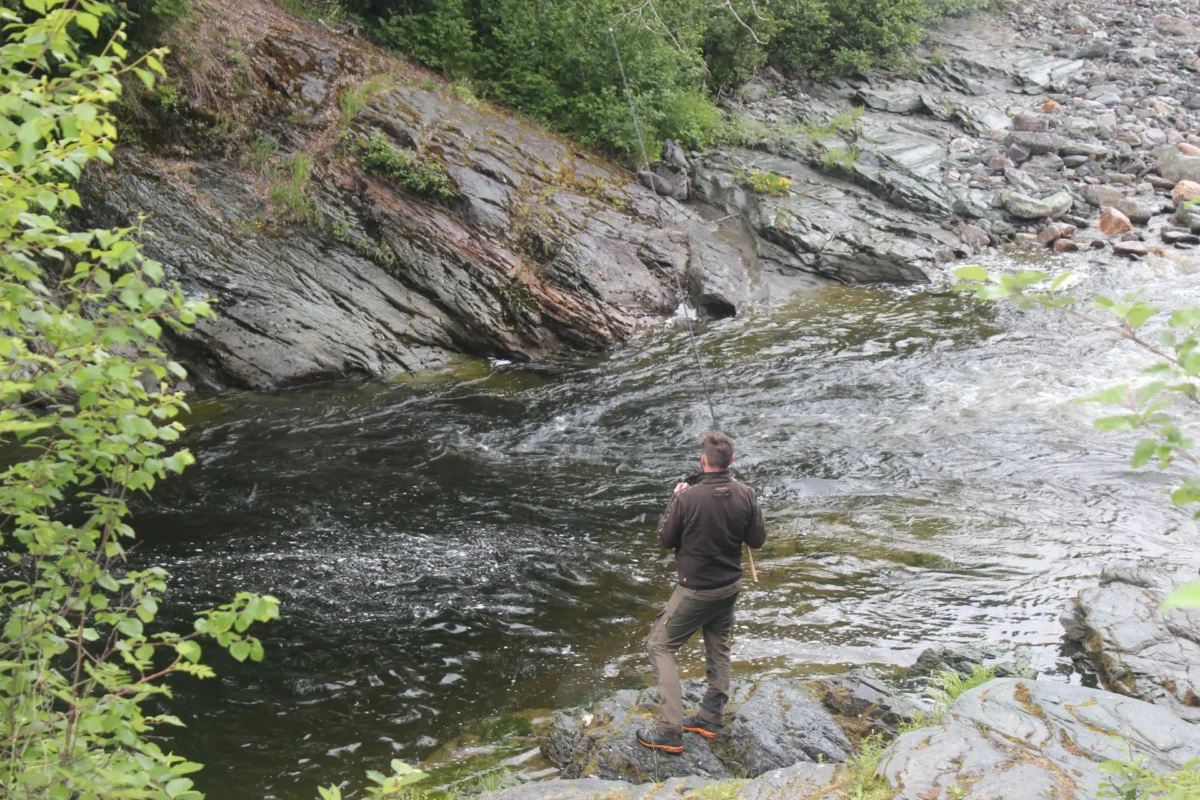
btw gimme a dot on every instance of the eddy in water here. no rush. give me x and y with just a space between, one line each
706 523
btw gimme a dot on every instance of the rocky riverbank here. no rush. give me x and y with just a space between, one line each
1069 125
1011 737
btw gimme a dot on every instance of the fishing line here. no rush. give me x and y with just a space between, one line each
637 127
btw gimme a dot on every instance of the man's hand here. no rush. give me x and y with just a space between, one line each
679 487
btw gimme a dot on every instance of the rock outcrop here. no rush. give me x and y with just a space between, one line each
541 248
1009 124
1012 738
1017 739
770 724
1134 648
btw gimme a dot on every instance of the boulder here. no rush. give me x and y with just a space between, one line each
1113 222
1031 121
1055 231
1176 165
667 180
1132 250
1036 143
1133 647
775 723
963 660
1100 195
1138 211
801 780
769 724
599 742
862 696
1185 191
1021 739
1025 207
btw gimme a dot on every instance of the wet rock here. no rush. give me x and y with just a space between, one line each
1084 149
599 742
776 724
1113 222
1176 27
667 180
1185 191
1036 143
1065 246
1188 215
1188 149
1022 180
801 780
1176 165
1179 236
542 251
1131 250
973 236
1134 648
1024 739
769 724
1024 207
1138 211
1031 121
862 696
1101 196
963 660
834 231
1055 231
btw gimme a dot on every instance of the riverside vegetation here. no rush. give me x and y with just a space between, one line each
555 61
90 408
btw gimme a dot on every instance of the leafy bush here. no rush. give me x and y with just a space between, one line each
555 60
88 411
416 174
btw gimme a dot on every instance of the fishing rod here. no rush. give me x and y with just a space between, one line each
637 127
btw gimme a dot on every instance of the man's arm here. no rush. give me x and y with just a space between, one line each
670 527
756 529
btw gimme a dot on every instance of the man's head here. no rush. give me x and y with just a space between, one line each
716 452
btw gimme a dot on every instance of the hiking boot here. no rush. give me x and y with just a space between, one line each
700 725
660 740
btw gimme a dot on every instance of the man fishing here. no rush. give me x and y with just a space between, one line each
706 523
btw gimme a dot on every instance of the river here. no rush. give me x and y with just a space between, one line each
461 546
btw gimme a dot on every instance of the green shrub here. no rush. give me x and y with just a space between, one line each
415 173
289 191
765 182
353 99
259 153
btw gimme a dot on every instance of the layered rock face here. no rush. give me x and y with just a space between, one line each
542 248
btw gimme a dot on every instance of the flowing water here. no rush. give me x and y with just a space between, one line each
454 548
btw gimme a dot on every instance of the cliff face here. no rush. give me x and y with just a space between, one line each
322 268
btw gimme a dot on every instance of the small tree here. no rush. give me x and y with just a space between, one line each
88 415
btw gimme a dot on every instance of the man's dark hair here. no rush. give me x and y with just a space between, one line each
718 449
